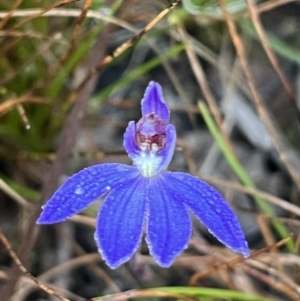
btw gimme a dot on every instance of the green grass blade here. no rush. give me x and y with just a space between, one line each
213 293
199 293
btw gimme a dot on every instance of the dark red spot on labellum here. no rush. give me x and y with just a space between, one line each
150 131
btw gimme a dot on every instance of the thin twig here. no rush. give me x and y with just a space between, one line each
200 76
76 29
108 59
275 273
69 265
264 7
13 194
10 13
255 192
197 276
271 282
260 31
21 34
69 12
276 139
41 12
18 262
12 103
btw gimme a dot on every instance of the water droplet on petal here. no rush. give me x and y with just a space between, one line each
211 202
208 193
79 191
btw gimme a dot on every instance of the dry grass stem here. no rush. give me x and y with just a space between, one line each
255 192
260 31
14 195
201 79
76 30
109 58
24 270
264 115
12 103
10 13
43 11
197 276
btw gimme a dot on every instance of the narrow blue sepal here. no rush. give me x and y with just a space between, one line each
169 226
209 207
167 152
153 102
78 191
120 222
129 142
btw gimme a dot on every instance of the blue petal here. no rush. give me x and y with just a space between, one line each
120 222
82 188
129 142
153 102
167 153
209 207
169 226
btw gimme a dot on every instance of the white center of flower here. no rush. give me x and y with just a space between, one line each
147 162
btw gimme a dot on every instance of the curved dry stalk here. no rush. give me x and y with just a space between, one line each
21 34
197 276
70 12
10 13
275 137
266 6
109 58
260 31
53 5
14 256
14 195
255 192
202 81
66 266
12 103
76 30
281 259
275 273
200 76
274 283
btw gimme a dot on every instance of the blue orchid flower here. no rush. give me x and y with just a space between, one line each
146 195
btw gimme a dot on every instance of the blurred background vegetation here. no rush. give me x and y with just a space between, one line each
230 74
